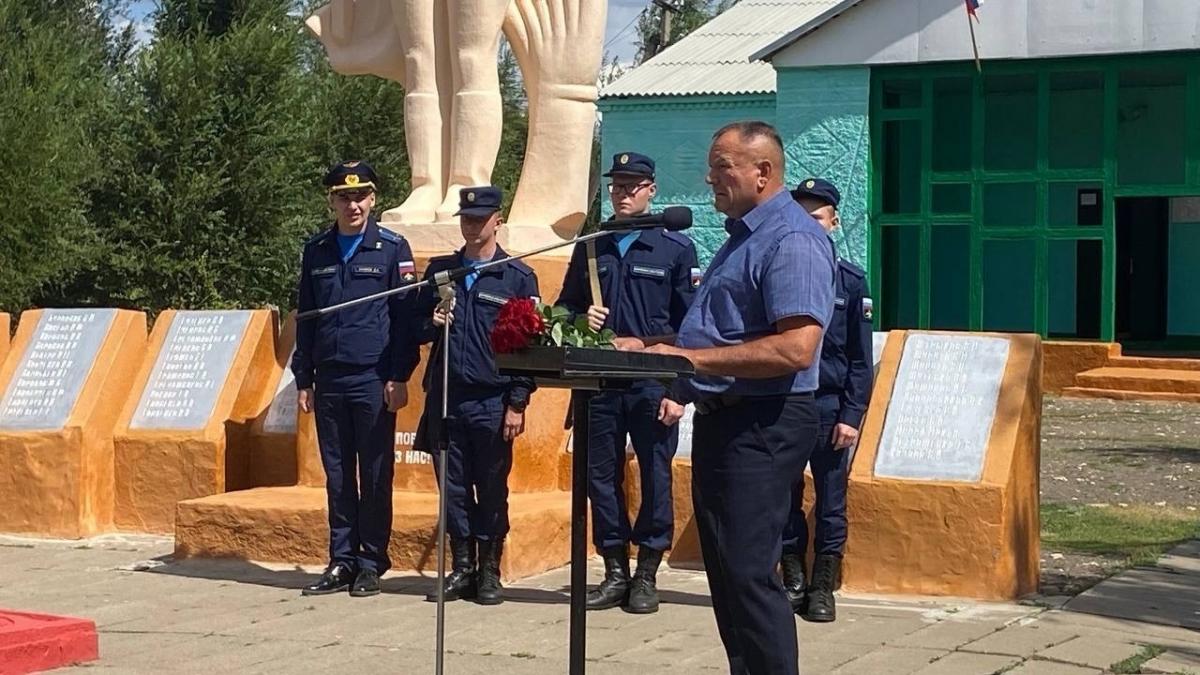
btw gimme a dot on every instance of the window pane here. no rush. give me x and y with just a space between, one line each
1075 205
952 198
1151 127
952 124
901 277
1009 204
950 289
1073 274
1076 121
1010 122
901 94
902 167
1008 271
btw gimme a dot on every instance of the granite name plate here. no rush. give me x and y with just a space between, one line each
281 415
942 407
52 371
190 370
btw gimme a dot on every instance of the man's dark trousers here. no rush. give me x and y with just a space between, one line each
745 459
613 415
830 469
357 439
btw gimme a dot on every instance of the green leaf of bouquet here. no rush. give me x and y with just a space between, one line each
556 334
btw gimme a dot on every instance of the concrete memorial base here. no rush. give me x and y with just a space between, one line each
32 643
60 395
272 437
205 371
291 525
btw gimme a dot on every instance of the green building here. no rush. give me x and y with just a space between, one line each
1055 191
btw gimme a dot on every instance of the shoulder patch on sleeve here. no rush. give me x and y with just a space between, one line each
678 238
868 306
521 267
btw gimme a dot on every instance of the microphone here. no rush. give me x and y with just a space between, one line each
673 218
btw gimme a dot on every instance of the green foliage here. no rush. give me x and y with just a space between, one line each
54 105
561 331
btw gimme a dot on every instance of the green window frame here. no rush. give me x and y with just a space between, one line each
1041 231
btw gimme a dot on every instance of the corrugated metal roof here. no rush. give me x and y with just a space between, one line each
715 58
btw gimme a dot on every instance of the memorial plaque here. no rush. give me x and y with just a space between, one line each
281 415
190 370
52 371
878 342
942 407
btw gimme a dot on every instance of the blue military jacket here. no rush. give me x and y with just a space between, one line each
472 361
372 334
846 369
647 292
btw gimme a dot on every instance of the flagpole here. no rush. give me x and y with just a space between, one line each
974 45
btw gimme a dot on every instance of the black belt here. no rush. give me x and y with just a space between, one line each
712 404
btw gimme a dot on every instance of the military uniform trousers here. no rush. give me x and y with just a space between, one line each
746 458
613 415
830 471
356 434
478 462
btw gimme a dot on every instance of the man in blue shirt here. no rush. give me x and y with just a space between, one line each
645 279
486 410
842 396
351 369
753 333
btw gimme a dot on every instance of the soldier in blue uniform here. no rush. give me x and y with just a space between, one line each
843 393
753 334
351 369
486 410
646 282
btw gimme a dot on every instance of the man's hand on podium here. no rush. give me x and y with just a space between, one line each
304 400
629 344
514 423
395 394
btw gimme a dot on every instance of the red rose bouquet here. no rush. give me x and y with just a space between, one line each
522 323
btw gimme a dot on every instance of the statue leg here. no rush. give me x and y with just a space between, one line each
558 45
477 118
416 22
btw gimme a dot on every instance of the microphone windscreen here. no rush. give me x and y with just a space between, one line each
676 218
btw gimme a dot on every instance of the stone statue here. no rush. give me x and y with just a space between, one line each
443 52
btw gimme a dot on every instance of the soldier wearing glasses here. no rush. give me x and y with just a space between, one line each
642 286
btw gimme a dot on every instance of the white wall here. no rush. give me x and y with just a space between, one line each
922 31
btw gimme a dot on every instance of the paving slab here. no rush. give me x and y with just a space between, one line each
891 661
1020 640
1032 667
950 634
1091 651
1167 594
1174 662
963 663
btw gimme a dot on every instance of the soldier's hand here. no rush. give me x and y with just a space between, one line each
441 316
514 424
304 400
596 316
844 436
629 344
669 412
395 394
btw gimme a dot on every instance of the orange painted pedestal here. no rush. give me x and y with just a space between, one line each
272 440
171 441
291 524
63 388
5 334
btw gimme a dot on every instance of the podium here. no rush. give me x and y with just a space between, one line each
586 371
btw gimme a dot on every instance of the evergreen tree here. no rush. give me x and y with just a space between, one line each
214 187
55 103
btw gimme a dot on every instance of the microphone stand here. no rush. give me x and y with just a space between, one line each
446 291
449 276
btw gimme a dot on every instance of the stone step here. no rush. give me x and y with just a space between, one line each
1122 395
1154 363
1141 380
289 524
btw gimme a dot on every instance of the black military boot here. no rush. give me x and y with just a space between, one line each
643 591
337 578
490 591
366 584
461 582
792 566
821 607
614 590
